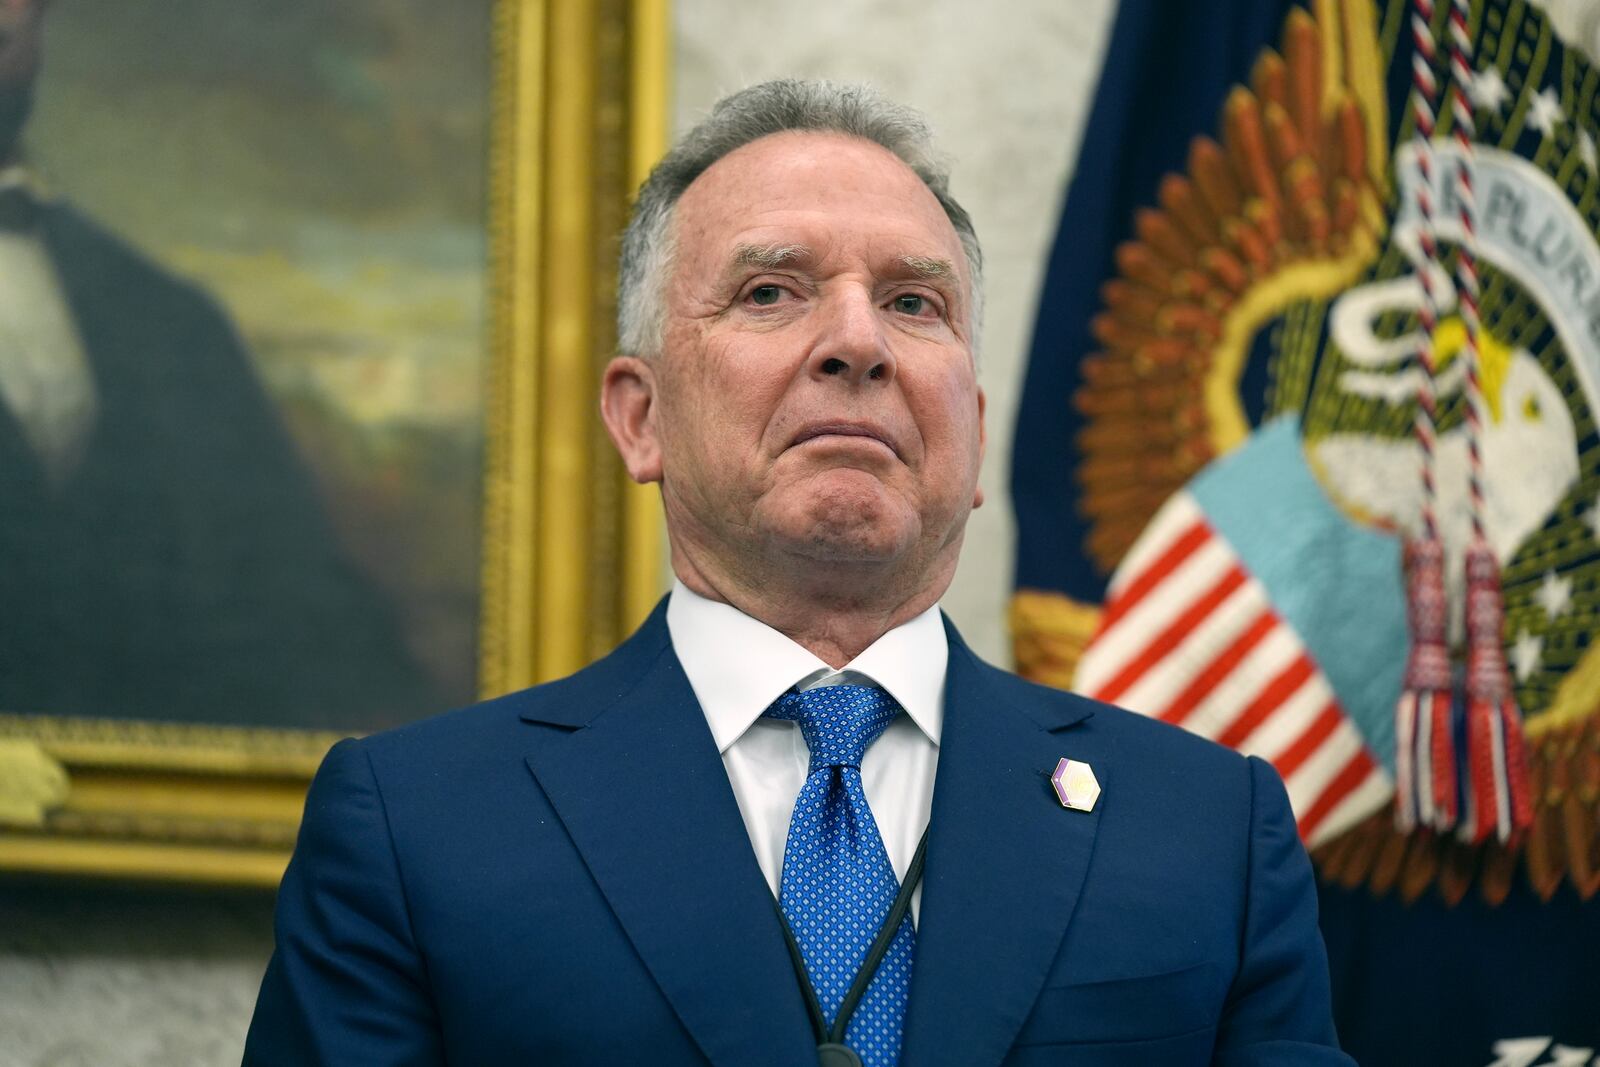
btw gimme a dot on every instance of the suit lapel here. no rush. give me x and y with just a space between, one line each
645 797
1005 864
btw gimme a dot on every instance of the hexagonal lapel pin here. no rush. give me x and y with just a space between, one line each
1075 785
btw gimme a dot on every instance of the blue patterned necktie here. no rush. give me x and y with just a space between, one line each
837 884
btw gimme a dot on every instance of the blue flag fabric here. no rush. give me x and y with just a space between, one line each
1168 68
1214 467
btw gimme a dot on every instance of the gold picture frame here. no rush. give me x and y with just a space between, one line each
571 550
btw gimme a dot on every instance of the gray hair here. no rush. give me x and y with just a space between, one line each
788 104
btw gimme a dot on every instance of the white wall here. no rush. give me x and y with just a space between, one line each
94 976
1007 88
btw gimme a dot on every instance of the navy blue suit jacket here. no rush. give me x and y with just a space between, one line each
562 876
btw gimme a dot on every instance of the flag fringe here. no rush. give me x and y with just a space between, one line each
1560 846
1497 759
1425 756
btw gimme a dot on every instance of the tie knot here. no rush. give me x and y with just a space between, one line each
837 721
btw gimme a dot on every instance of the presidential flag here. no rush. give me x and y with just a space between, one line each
1307 463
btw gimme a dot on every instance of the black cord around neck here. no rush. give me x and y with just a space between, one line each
869 966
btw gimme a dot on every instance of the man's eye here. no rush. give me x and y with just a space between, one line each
910 303
765 294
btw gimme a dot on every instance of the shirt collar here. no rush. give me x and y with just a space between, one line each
738 665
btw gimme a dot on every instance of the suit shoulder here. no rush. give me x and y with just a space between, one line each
487 727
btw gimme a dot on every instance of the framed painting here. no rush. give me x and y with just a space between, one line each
298 435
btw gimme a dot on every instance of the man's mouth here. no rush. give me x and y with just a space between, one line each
863 430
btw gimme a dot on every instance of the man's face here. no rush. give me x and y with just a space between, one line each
816 392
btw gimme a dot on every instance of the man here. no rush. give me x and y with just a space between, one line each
685 853
164 553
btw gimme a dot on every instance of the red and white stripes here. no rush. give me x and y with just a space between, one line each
1190 637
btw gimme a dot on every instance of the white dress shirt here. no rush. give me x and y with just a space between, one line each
738 666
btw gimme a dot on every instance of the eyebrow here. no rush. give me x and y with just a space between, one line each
777 256
927 267
770 257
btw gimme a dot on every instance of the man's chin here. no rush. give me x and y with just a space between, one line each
848 537
849 549
842 515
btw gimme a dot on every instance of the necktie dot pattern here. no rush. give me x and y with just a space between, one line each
837 885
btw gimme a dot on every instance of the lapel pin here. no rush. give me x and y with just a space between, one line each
1075 785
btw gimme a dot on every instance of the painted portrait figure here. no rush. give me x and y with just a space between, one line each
167 552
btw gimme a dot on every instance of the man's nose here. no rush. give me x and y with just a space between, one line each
852 344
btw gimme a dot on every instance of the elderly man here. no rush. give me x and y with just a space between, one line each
723 843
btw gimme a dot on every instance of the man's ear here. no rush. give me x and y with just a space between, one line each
983 441
628 406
